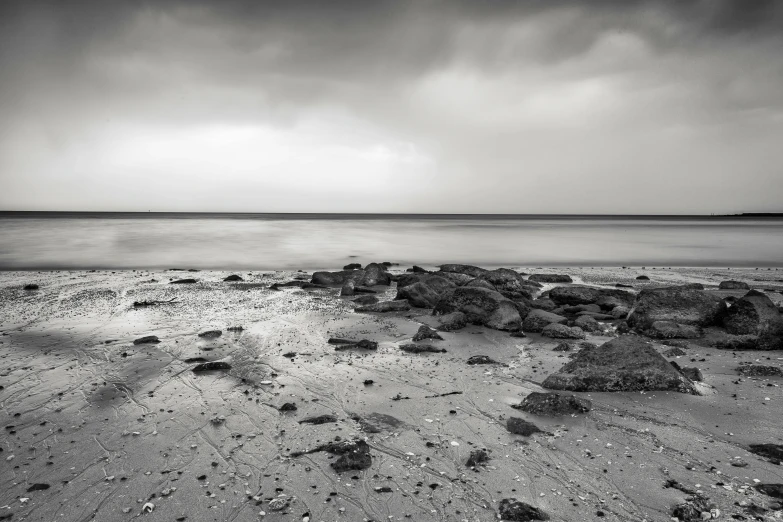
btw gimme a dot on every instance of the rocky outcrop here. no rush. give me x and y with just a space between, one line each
676 305
537 320
481 306
561 331
733 285
550 278
579 294
755 314
627 363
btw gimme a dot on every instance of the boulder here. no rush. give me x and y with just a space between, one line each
561 331
408 279
537 320
672 330
348 289
522 427
543 304
481 283
477 457
148 339
627 363
733 285
233 277
375 274
481 306
512 510
417 270
453 321
509 283
553 404
352 266
550 278
588 324
419 295
425 332
335 278
386 306
421 348
755 314
692 373
683 305
30 286
469 270
579 294
457 279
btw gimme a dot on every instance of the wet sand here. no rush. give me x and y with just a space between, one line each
111 426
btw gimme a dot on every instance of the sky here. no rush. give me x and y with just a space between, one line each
429 106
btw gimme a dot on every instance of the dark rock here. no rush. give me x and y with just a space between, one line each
756 314
733 285
386 306
470 270
377 422
672 330
31 286
336 278
364 344
366 300
691 509
211 334
288 406
512 510
642 278
183 282
481 359
191 360
760 370
562 347
363 290
737 342
481 283
579 294
375 274
553 404
550 278
522 427
509 284
454 277
418 270
149 339
682 305
692 373
561 331
419 295
38 487
352 266
773 452
425 332
233 277
339 340
622 285
518 333
582 308
623 364
348 288
588 324
211 366
481 306
452 322
674 352
477 457
320 419
354 455
421 348
771 490
537 320
543 304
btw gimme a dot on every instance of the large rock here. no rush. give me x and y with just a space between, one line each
553 404
470 270
457 279
755 314
481 283
627 363
512 510
550 278
336 278
733 285
386 306
588 324
481 306
681 305
509 283
672 330
453 321
579 294
419 295
537 320
375 274
561 331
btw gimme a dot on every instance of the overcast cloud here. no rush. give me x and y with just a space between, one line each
357 106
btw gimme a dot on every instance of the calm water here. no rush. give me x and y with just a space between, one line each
263 242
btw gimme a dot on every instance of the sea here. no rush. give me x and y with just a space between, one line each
93 240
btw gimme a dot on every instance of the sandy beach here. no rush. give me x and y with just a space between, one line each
96 427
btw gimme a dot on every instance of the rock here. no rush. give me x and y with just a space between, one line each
375 274
377 422
354 455
672 330
760 370
481 283
183 282
598 316
674 352
477 457
561 331
419 295
366 300
408 279
509 283
771 490
512 510
386 306
623 364
642 278
562 347
211 334
352 266
149 339
336 278
522 427
543 304
733 285
31 286
481 306
417 270
38 487
457 279
518 333
579 294
773 452
553 404
288 406
692 373
364 344
211 366
425 332
470 270
682 305
692 509
622 285
481 359
348 289
421 348
550 278
453 321
537 320
755 314
233 277
620 312
319 419
588 324
582 308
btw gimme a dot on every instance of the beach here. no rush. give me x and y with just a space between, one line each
112 427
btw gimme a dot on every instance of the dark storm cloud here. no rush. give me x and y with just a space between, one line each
476 86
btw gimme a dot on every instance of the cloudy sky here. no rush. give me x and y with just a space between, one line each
548 106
